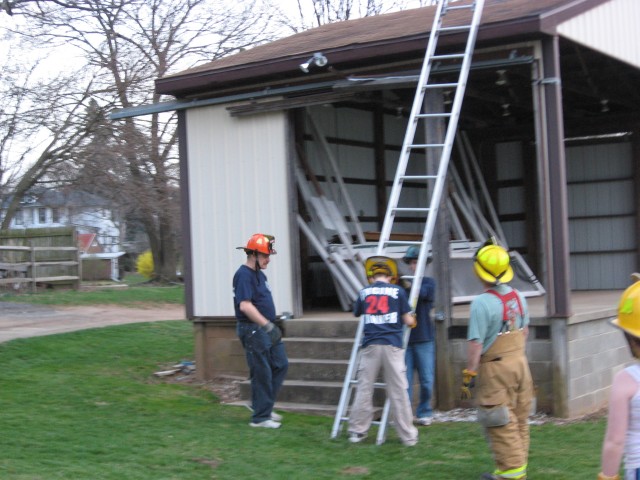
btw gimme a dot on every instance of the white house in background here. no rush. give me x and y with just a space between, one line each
87 212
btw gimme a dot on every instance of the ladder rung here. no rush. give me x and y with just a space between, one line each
433 115
402 242
376 384
419 177
440 85
426 145
422 213
457 28
449 56
460 7
411 209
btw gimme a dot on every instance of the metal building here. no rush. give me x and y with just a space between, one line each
551 113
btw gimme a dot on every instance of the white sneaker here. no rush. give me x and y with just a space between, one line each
276 417
357 437
266 424
424 421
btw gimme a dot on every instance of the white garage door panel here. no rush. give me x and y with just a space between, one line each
230 199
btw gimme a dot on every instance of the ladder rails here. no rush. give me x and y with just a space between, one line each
435 183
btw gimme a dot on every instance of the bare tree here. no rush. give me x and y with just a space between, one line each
43 123
128 44
305 14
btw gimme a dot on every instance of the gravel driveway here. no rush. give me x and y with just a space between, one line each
21 320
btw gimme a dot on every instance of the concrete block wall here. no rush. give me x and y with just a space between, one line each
570 382
595 352
218 352
539 353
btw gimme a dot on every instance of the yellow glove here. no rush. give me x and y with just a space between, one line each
414 321
468 382
602 476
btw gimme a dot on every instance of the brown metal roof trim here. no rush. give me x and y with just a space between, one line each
354 44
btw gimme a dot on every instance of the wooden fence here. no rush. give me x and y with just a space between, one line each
37 256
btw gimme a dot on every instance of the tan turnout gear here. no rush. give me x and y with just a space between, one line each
504 392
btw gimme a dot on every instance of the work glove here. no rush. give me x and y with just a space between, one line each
273 331
279 322
602 476
404 283
468 382
414 321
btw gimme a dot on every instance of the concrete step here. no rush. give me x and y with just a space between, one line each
312 392
307 408
314 369
319 348
344 327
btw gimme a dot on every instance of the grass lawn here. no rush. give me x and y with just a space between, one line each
134 292
86 406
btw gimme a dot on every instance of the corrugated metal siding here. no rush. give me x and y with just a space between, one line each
353 161
237 187
357 160
511 199
601 197
611 28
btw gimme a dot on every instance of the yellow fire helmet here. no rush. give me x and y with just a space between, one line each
629 309
492 263
380 264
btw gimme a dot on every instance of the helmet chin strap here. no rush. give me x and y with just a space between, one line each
257 269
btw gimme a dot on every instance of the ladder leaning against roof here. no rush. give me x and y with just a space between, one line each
435 183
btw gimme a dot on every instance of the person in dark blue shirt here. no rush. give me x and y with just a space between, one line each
420 355
385 310
260 336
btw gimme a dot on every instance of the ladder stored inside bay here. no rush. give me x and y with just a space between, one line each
464 18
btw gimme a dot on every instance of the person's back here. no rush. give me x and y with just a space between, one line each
623 421
381 306
384 309
632 439
496 338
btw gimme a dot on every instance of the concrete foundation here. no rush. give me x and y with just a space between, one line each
572 360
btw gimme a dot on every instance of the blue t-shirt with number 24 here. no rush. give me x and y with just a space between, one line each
382 306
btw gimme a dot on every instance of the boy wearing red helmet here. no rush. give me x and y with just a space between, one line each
260 336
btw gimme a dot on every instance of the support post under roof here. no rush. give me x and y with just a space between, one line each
557 242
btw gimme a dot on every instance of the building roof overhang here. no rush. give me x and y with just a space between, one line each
365 45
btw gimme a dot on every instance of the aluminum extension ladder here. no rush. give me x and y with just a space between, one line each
435 183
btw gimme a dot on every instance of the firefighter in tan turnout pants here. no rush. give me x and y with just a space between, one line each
497 365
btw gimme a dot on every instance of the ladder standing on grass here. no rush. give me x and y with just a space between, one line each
435 183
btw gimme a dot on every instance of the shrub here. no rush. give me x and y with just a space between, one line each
144 264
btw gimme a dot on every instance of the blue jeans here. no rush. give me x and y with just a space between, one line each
268 365
421 357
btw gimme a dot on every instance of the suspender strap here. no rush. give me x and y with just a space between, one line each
509 313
